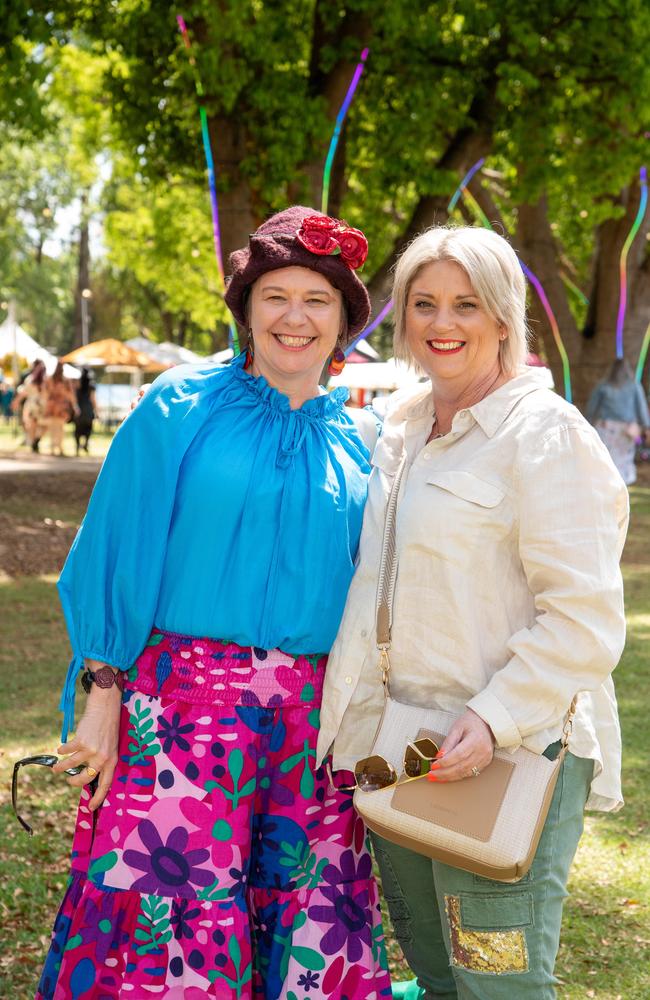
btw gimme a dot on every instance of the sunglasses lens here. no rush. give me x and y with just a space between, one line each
373 773
427 747
418 757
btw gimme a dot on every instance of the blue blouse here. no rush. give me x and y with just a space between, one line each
220 512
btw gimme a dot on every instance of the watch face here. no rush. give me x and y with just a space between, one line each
104 677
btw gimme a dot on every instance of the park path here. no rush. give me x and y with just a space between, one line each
23 461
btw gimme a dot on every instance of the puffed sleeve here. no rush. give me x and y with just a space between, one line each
110 581
573 513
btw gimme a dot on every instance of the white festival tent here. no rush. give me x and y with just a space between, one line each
378 376
15 340
166 352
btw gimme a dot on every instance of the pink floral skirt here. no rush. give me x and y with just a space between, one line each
223 863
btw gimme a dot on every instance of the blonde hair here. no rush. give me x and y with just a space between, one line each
494 272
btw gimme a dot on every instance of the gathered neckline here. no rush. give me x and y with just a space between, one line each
324 405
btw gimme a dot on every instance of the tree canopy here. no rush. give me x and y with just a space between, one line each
555 97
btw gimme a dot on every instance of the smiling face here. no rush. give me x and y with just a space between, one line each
448 330
295 318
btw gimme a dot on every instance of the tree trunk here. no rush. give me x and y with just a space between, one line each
598 346
237 217
167 323
83 271
538 251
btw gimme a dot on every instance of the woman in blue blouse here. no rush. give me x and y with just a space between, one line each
211 856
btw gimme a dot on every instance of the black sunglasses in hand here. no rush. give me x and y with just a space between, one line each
45 760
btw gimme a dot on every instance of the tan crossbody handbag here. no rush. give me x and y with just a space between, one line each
489 824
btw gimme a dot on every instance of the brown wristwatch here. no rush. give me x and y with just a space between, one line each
105 677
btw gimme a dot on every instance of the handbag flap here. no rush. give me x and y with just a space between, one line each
470 806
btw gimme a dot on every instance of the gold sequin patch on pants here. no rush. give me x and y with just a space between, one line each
496 952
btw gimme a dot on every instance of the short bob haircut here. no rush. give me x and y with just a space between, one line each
494 272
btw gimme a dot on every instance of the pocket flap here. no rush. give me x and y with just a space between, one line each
467 486
496 911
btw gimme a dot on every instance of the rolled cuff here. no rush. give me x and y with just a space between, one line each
498 718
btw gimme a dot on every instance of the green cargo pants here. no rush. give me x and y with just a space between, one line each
469 938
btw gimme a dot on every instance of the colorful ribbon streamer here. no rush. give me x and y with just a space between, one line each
209 159
643 354
622 302
469 197
461 189
539 288
340 118
574 288
381 315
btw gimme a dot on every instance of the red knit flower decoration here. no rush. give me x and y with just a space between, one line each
322 235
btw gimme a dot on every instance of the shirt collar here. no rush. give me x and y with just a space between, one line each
491 412
416 403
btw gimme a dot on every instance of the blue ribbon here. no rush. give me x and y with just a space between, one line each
66 704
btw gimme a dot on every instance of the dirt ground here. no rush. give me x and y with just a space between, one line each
31 544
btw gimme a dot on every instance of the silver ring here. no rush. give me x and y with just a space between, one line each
475 772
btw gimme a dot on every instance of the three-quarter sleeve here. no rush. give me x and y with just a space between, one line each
573 512
110 581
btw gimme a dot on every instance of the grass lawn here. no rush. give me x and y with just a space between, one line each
605 949
11 438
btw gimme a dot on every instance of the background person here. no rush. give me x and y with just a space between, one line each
60 406
214 858
508 602
86 410
618 409
29 402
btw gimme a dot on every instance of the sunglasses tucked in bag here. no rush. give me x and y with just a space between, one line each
489 824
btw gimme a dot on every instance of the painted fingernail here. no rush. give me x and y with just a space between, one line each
441 753
433 767
432 777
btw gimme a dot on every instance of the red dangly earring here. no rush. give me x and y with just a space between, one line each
250 351
336 363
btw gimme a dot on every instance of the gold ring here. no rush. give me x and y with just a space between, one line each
91 772
475 772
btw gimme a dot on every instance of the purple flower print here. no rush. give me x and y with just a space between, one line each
168 870
181 914
309 980
350 912
349 871
171 732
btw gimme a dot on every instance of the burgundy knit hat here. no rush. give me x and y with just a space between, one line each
302 237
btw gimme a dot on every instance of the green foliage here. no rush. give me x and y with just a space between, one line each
555 94
161 234
153 926
143 740
306 871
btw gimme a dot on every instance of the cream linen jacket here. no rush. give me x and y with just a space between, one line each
509 597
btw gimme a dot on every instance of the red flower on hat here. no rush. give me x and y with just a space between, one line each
354 247
318 234
322 235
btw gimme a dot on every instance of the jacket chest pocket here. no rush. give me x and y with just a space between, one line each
462 512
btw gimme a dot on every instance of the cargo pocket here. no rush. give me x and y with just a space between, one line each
487 932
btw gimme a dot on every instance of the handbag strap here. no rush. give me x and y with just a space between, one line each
386 592
387 577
